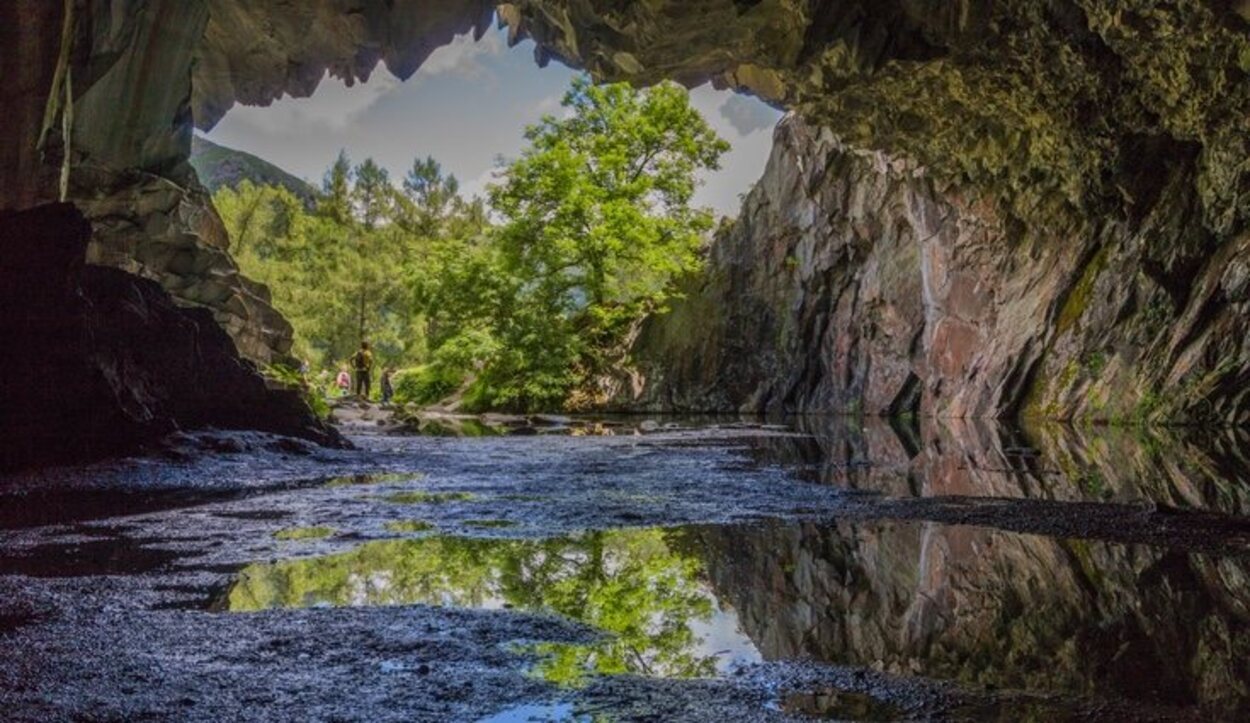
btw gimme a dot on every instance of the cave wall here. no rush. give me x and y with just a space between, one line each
854 281
129 66
100 362
1050 128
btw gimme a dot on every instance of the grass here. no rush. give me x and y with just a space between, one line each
489 524
304 533
376 479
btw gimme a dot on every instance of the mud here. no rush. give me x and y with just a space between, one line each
772 572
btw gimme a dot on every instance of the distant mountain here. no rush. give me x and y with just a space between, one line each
218 167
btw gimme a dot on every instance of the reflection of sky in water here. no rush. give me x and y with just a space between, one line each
663 617
722 637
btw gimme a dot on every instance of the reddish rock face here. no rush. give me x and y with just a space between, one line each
853 282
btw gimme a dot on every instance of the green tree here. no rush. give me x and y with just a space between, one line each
257 217
336 200
597 222
373 195
335 274
374 261
430 198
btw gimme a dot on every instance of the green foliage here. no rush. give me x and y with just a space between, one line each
314 396
425 384
344 272
304 533
428 498
595 223
633 584
1095 363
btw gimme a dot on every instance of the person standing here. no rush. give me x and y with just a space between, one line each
388 390
362 360
343 382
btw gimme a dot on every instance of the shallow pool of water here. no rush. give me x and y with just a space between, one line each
833 568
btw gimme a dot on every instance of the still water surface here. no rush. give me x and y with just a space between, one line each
1090 564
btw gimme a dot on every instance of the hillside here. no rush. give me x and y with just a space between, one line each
218 166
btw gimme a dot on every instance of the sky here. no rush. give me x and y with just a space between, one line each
467 106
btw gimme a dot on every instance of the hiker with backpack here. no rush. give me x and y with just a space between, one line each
362 361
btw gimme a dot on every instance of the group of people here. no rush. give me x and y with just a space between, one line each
362 366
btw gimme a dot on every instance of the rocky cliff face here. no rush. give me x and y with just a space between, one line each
857 282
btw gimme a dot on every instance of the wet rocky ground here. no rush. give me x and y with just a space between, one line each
621 570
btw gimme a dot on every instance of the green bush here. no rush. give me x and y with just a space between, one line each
314 397
426 384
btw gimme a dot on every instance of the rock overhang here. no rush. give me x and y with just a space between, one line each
1051 101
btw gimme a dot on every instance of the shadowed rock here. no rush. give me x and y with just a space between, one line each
98 362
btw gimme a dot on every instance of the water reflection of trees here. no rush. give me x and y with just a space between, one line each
629 583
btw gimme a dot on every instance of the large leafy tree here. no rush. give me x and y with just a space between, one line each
598 220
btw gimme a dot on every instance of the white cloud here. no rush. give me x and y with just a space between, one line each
334 106
477 186
547 106
463 56
744 163
748 115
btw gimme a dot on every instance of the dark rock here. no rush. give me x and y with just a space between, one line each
97 362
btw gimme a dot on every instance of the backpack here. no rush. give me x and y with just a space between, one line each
360 361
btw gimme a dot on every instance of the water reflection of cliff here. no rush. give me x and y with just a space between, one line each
1182 467
990 607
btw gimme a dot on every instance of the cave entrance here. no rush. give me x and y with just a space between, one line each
390 212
